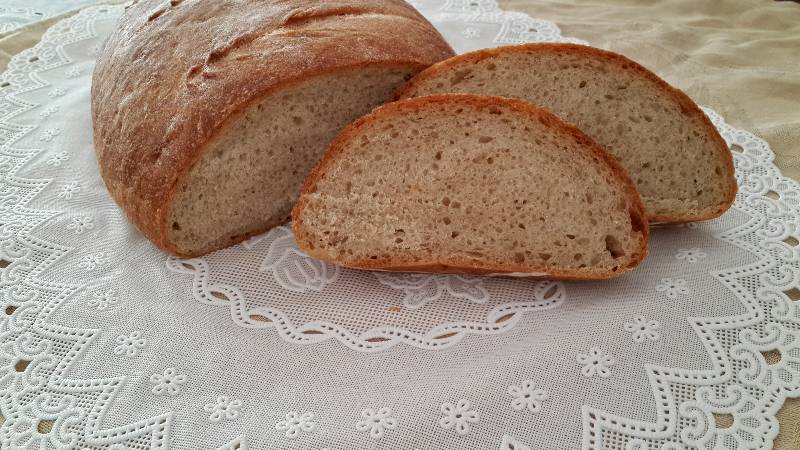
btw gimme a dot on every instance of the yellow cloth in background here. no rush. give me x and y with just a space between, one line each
739 57
18 40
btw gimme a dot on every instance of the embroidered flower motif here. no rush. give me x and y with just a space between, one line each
68 190
420 288
471 33
376 422
751 429
130 345
672 288
458 416
57 92
691 255
73 72
223 408
57 159
90 262
296 423
81 224
21 428
293 269
642 329
103 299
782 370
528 395
49 134
49 111
596 362
169 383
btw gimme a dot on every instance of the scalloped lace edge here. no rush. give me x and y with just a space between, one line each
20 281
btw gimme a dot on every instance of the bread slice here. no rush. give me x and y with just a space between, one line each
677 159
475 184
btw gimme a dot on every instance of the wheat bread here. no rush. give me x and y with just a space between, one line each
208 115
474 184
681 166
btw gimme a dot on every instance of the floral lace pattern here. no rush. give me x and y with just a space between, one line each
420 289
211 343
296 423
223 408
43 405
673 288
459 417
168 383
642 329
596 362
130 345
376 422
528 395
486 301
103 299
15 14
748 431
290 267
23 430
739 343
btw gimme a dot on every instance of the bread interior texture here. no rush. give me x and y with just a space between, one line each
668 152
462 185
248 179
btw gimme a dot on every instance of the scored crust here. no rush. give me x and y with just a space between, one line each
453 265
175 75
688 106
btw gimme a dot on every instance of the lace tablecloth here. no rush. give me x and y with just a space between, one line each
18 13
105 342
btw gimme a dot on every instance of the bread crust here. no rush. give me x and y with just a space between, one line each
687 105
176 75
454 265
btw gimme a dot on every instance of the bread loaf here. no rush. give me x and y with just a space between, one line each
466 183
677 159
209 114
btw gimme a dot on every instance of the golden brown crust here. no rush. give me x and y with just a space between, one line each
453 265
175 74
687 105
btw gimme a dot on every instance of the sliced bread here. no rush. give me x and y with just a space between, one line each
473 184
677 159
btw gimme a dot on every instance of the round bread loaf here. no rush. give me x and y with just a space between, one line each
208 114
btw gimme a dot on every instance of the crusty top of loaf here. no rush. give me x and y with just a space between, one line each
176 72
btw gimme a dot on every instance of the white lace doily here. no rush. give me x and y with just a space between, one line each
18 13
105 342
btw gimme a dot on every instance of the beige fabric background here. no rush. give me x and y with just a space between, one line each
740 57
